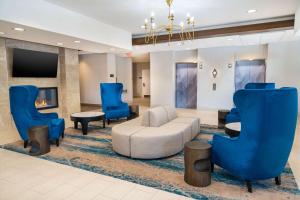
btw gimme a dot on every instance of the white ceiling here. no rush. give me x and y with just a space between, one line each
50 38
130 14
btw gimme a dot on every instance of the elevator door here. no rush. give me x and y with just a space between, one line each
186 85
249 71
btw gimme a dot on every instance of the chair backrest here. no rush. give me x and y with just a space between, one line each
260 86
111 94
22 99
268 119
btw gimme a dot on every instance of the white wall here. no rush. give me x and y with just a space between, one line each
219 58
111 68
284 65
93 71
124 75
96 69
137 77
162 74
162 85
297 21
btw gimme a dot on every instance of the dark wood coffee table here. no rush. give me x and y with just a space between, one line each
233 129
85 117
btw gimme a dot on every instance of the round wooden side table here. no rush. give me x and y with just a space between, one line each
38 136
197 163
222 117
233 129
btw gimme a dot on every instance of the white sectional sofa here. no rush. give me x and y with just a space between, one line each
158 133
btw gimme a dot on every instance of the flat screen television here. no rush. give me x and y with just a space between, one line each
27 63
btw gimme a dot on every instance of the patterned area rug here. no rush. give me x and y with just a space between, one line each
94 153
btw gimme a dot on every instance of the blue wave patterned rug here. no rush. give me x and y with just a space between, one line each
94 153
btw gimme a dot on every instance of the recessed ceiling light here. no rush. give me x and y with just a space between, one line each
59 44
2 33
19 29
252 11
77 41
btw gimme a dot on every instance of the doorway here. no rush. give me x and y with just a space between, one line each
141 83
186 85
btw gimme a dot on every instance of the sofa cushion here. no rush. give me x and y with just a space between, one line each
183 128
158 116
171 112
194 122
122 133
156 142
145 120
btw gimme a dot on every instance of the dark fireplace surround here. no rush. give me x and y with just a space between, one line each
47 98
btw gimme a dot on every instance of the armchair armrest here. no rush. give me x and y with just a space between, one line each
50 115
38 115
234 111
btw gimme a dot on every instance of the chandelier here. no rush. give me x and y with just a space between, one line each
184 29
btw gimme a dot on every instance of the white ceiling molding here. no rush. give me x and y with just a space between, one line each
297 22
42 15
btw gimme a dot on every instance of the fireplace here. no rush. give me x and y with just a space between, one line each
47 98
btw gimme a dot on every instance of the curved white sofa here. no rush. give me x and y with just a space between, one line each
158 133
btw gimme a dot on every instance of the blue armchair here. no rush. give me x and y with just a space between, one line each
25 114
268 122
234 116
112 104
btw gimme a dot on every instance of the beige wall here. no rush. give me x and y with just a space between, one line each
67 82
93 71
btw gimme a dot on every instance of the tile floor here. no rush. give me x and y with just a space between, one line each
29 178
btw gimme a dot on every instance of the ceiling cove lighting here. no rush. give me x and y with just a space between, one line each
60 44
252 11
19 29
185 29
2 33
77 41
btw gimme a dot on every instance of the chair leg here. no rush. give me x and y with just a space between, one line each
108 122
63 135
57 142
278 180
249 186
25 144
212 167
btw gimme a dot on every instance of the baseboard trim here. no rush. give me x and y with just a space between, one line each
90 104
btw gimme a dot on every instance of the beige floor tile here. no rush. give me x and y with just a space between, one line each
62 192
162 195
91 190
119 190
137 195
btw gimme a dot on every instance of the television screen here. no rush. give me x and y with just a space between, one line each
27 63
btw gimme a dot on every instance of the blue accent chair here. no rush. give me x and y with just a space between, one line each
25 114
112 104
268 122
234 116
